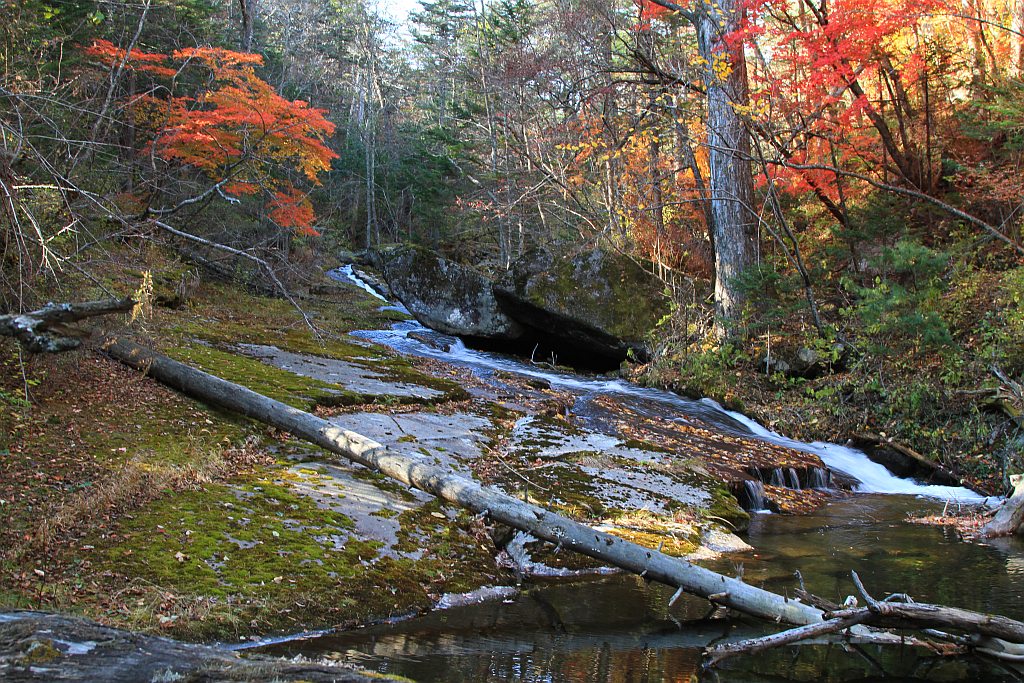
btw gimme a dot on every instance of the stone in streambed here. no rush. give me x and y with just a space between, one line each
599 301
446 296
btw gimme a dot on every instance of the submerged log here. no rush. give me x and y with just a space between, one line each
42 331
47 647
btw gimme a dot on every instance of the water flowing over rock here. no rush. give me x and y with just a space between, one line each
598 301
446 296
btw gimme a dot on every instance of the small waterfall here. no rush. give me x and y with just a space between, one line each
873 478
792 478
751 496
818 478
776 477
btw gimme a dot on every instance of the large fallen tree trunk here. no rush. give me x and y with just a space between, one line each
997 634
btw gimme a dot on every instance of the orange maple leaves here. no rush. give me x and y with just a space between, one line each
234 127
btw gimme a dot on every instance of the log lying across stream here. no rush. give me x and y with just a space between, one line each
996 633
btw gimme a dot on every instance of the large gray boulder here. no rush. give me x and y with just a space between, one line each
446 296
597 301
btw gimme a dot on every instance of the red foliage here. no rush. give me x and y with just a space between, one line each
817 62
236 127
292 208
651 10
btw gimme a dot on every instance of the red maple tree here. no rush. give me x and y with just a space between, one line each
233 126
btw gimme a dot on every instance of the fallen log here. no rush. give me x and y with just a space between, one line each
990 634
42 331
994 633
413 470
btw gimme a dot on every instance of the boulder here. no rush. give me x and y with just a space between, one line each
806 362
598 302
446 296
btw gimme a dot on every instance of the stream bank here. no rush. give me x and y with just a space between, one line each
273 540
624 630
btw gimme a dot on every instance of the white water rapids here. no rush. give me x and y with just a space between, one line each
873 477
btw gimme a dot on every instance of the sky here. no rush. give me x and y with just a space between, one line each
398 10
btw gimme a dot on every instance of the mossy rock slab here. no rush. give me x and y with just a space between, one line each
597 301
353 376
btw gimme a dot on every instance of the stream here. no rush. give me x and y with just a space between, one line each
621 629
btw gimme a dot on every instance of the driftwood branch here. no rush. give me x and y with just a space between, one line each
991 634
43 331
751 646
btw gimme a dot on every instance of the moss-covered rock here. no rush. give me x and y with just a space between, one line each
597 301
446 296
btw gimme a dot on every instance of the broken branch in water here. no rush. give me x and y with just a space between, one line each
989 634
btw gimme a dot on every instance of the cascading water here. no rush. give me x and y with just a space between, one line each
751 496
873 478
792 479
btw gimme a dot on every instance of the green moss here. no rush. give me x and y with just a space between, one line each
669 541
725 506
39 652
625 300
287 387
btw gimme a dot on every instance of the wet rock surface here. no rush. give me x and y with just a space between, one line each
46 647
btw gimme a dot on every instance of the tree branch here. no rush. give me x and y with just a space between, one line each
39 331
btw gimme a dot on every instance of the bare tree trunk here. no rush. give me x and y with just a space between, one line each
42 331
730 181
248 8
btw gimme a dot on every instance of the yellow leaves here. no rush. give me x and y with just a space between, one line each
143 297
721 67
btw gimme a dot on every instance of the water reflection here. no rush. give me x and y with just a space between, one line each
621 630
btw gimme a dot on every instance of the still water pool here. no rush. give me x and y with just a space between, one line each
620 629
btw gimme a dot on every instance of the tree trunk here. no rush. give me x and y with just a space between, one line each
248 8
43 331
1010 516
413 470
730 181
